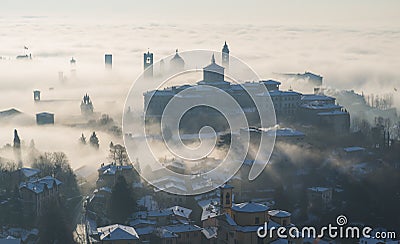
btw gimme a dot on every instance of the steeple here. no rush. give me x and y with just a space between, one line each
213 59
225 56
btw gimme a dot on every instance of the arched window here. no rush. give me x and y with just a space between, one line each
228 198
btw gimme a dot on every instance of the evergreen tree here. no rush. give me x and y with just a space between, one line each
82 139
17 141
53 225
122 201
94 141
17 148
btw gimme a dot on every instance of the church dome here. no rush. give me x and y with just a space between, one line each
177 58
177 63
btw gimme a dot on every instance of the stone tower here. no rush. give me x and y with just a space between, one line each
148 64
225 56
226 199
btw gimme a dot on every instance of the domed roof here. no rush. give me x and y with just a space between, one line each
249 207
177 58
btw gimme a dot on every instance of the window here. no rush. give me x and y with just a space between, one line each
228 198
257 220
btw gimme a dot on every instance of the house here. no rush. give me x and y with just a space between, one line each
181 233
108 174
319 197
99 200
117 234
35 194
44 118
239 222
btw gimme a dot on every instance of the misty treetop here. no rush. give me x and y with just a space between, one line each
118 154
94 141
122 201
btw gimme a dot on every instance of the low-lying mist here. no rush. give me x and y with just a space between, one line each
364 60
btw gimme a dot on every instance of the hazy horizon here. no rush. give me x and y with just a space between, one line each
354 46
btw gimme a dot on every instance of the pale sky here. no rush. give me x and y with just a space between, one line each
275 12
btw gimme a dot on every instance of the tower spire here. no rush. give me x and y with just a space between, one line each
225 55
213 59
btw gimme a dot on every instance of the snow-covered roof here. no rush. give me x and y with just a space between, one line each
38 186
249 207
164 233
175 210
210 232
136 222
117 232
10 240
318 189
284 132
353 149
278 132
182 228
316 97
210 208
29 172
270 82
180 211
226 186
318 105
106 189
111 169
279 213
275 93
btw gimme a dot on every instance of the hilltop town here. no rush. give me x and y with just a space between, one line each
331 156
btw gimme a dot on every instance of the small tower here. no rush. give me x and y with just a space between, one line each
148 64
86 105
225 56
108 61
226 199
73 67
36 95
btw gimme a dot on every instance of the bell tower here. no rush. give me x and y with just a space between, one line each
148 64
225 56
226 199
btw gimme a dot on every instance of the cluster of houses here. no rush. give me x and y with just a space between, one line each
35 193
221 219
